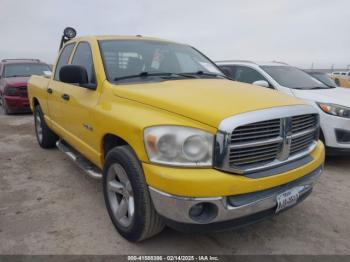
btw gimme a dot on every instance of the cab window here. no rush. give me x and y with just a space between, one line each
228 70
124 58
83 57
63 59
244 74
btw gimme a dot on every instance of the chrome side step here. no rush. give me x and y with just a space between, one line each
90 169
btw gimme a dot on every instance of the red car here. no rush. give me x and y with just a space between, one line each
14 74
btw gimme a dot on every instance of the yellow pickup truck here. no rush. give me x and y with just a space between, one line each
174 142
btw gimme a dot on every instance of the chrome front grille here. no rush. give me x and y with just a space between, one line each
301 143
257 131
303 128
246 147
303 122
251 146
262 142
254 155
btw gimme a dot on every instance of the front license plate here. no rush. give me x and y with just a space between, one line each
287 199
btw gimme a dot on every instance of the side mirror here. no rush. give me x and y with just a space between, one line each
74 74
47 74
262 83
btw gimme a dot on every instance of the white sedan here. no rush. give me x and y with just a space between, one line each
333 103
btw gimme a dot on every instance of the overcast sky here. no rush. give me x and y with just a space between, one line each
299 32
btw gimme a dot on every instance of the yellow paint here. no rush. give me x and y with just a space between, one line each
125 110
341 81
211 182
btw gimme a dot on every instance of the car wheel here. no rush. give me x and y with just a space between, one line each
127 197
46 138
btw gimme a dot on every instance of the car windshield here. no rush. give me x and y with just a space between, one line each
292 77
125 59
325 79
27 69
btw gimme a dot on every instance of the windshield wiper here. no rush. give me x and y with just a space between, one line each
312 88
18 76
318 87
202 73
147 74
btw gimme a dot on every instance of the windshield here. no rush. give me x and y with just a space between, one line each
325 79
18 70
293 77
123 58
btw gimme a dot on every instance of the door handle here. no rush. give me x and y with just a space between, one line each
65 97
49 90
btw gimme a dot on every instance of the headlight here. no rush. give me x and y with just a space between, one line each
178 146
335 110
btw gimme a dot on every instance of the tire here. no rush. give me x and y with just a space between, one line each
46 138
123 169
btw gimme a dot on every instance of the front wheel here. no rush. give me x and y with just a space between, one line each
46 138
127 197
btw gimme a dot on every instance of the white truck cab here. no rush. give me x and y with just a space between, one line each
333 103
345 75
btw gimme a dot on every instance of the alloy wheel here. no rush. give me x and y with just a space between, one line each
120 195
38 127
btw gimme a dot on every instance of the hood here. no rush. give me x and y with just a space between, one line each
338 95
16 81
206 100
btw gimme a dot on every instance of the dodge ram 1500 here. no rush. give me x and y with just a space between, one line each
174 142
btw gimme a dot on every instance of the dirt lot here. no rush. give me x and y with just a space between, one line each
48 206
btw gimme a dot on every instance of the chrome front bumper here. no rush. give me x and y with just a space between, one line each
177 209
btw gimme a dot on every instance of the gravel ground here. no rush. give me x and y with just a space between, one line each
48 206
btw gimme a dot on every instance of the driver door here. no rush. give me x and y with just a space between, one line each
78 103
55 91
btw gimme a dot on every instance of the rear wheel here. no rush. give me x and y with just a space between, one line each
127 197
46 138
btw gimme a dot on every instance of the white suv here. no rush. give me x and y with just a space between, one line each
333 103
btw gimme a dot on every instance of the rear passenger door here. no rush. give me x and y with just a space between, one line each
79 103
